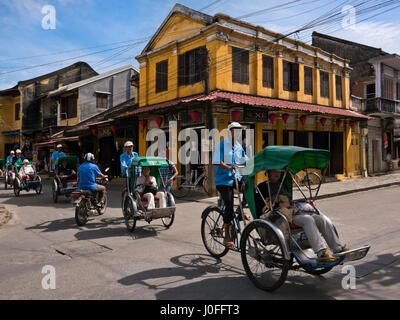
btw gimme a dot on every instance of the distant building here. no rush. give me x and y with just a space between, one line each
376 81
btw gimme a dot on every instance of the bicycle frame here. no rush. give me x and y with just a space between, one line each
197 181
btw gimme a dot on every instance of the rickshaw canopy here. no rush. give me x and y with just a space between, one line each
72 161
21 164
294 158
149 162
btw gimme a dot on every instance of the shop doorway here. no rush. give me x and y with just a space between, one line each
108 155
336 148
269 138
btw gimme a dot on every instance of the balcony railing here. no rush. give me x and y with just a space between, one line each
50 122
378 105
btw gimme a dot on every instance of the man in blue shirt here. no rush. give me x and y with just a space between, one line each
57 154
127 157
18 156
11 157
87 177
226 159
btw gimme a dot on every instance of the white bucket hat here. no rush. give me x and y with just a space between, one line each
59 146
236 125
128 144
18 151
12 152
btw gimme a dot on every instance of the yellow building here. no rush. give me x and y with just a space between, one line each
10 121
206 71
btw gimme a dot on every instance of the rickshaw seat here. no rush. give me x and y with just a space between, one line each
144 199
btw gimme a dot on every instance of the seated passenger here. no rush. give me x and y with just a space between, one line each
65 173
304 215
148 187
26 172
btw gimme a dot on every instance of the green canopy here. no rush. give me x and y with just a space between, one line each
72 162
294 159
149 162
21 164
280 157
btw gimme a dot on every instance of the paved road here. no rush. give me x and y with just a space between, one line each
156 263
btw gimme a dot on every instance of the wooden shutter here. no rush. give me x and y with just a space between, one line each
72 107
240 65
268 72
286 76
308 81
338 81
181 69
324 84
388 89
17 111
245 66
294 73
162 76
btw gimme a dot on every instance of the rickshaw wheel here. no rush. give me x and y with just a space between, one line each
39 189
178 191
55 192
124 195
16 187
167 222
212 232
130 220
6 182
262 257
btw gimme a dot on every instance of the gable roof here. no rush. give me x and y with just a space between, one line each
186 11
81 83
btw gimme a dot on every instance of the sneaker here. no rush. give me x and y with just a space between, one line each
326 258
344 249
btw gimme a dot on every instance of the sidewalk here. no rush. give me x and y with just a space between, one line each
328 190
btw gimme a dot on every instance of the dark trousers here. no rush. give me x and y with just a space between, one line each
101 191
227 196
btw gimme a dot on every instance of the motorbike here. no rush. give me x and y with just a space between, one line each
86 203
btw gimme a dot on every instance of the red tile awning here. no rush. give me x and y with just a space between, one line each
254 101
55 140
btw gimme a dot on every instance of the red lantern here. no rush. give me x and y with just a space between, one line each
94 131
323 121
272 118
236 115
303 120
351 124
114 129
159 121
339 123
143 124
195 116
285 117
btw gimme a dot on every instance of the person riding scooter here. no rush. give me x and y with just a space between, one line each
87 177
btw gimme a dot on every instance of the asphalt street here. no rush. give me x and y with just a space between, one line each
103 261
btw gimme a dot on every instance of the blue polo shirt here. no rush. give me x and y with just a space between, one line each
57 155
229 155
126 161
10 159
87 176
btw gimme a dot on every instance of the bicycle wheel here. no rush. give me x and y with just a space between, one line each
178 189
167 222
262 257
206 187
212 232
130 220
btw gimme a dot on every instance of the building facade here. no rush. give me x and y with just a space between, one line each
205 71
376 81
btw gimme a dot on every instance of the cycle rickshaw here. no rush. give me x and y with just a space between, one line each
21 184
271 246
134 205
9 175
63 186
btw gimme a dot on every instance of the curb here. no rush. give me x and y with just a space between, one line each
324 196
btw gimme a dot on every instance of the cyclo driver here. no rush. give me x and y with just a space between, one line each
87 177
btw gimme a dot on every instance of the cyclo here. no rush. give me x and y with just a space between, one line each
9 175
271 246
22 184
135 206
61 185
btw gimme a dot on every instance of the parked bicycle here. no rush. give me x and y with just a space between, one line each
184 185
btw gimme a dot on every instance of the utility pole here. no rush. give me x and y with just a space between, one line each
209 119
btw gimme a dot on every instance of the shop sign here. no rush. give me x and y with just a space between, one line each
103 132
255 115
179 116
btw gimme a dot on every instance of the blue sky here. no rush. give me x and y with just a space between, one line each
84 28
